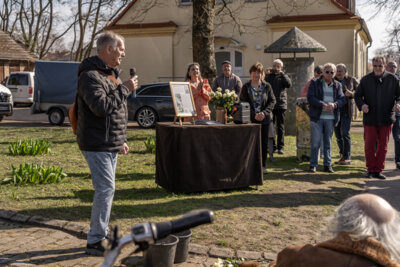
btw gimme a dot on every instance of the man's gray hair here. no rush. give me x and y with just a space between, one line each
330 65
108 38
351 218
341 65
278 61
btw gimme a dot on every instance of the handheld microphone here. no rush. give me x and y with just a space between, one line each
132 72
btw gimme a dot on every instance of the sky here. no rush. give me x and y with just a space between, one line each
377 25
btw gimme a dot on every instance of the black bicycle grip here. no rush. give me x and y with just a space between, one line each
189 220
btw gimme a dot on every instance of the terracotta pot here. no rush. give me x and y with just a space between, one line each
221 115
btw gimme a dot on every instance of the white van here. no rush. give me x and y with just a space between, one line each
6 102
21 85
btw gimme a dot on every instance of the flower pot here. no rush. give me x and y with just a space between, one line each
221 115
182 249
162 253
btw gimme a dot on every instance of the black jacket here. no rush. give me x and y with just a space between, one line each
102 108
349 83
315 97
380 94
279 84
267 104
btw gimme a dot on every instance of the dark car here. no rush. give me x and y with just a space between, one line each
152 103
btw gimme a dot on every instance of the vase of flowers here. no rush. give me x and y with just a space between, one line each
224 101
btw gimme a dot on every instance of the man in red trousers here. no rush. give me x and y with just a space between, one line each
378 96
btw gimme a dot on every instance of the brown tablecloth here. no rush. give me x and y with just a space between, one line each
194 158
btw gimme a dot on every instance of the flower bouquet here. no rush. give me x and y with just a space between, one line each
224 99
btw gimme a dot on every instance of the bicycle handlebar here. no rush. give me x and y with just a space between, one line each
148 233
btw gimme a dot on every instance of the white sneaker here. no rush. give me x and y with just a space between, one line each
265 171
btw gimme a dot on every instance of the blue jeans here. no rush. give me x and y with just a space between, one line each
102 168
342 132
396 138
321 130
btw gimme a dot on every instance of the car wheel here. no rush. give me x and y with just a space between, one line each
146 117
56 116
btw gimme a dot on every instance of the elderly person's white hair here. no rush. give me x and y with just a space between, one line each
326 65
368 215
278 61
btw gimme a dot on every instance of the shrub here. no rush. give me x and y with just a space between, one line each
150 144
34 174
29 147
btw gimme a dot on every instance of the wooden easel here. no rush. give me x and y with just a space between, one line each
180 119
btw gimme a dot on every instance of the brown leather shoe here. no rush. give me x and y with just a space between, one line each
340 160
344 162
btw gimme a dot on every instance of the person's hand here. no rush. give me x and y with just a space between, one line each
348 93
132 83
397 108
365 108
125 149
260 116
325 106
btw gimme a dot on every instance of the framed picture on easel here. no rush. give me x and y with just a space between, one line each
183 101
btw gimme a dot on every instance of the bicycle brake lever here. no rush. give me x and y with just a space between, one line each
115 238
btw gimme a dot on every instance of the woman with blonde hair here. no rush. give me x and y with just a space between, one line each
200 91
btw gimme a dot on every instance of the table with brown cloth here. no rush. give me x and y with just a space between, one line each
199 158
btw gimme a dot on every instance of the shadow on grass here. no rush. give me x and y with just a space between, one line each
119 177
315 178
142 152
332 196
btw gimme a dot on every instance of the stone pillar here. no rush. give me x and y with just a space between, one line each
299 70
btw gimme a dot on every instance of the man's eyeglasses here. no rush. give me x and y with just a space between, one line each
378 66
329 72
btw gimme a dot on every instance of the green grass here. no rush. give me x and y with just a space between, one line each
288 208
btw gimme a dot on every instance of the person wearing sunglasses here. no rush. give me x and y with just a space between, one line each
392 68
325 96
378 96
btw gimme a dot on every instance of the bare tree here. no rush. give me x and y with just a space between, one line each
203 36
91 18
8 18
392 9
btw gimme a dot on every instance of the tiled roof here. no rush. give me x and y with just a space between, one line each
10 49
297 41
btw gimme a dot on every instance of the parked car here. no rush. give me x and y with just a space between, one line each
152 103
6 102
21 85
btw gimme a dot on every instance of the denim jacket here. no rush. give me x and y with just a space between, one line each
315 97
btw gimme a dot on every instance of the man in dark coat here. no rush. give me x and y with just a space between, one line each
378 96
392 68
279 82
342 130
101 131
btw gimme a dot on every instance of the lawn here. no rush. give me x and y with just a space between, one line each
288 208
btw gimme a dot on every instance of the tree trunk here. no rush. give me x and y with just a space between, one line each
203 37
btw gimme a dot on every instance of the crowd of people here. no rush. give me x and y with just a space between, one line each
332 95
102 123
